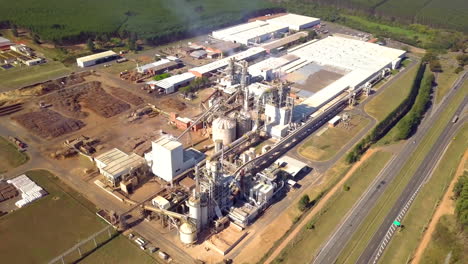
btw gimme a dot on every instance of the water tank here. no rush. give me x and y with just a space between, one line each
195 210
224 129
188 233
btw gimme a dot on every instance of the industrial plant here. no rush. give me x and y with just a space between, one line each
266 100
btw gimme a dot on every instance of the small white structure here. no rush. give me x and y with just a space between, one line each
34 62
171 84
291 166
5 42
23 49
188 233
168 158
262 193
96 58
161 202
115 163
270 68
295 22
156 66
334 121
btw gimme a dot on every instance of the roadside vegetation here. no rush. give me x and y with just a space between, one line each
384 126
365 232
407 240
10 157
302 249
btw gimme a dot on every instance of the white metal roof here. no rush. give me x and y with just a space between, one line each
245 36
174 80
293 166
224 62
121 165
334 120
272 63
168 143
4 41
96 56
223 33
111 155
293 20
153 65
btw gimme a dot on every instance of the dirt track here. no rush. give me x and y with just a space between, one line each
446 206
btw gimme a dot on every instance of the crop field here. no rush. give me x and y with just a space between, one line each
452 14
47 227
65 20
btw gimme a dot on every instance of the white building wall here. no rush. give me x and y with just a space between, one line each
166 163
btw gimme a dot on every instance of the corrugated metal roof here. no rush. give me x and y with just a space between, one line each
97 56
174 80
293 20
111 155
168 143
119 166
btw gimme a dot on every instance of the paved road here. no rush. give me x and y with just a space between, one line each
338 240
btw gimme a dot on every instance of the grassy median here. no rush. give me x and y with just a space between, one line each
304 247
371 223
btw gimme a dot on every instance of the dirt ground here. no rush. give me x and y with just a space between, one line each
48 124
256 251
446 206
126 96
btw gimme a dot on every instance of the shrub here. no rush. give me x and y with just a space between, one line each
304 202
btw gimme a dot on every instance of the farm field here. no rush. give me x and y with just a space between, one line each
375 217
443 13
68 20
119 250
303 248
324 146
26 75
381 105
47 227
404 243
10 157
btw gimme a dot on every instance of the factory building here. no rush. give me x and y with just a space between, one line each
294 22
250 33
168 158
171 84
276 45
272 68
5 43
115 163
96 58
157 66
224 129
222 47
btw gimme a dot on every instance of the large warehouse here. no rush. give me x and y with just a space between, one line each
96 58
295 22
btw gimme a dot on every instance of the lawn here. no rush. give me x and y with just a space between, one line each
49 226
447 77
372 222
384 103
444 241
10 157
26 75
119 250
404 243
303 248
325 146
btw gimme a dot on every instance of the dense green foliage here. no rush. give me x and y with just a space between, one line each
390 121
408 124
304 202
195 85
151 20
461 206
449 14
161 76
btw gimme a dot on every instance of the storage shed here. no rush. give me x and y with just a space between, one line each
96 58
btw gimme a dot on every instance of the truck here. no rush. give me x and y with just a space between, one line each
455 119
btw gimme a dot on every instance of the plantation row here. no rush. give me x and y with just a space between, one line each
66 21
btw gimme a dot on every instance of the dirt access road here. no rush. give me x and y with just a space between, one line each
446 206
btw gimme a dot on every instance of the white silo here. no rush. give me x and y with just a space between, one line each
195 210
244 124
188 233
224 129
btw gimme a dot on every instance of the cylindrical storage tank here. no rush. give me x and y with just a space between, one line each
244 125
195 210
218 145
224 129
188 233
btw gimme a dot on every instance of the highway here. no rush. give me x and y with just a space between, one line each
332 248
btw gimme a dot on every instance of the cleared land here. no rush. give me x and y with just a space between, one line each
119 250
20 76
323 146
405 242
40 231
10 157
381 105
364 233
305 245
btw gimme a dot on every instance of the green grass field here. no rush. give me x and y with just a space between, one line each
325 146
450 14
304 246
26 75
47 227
446 240
384 103
404 243
372 222
10 157
447 77
119 250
